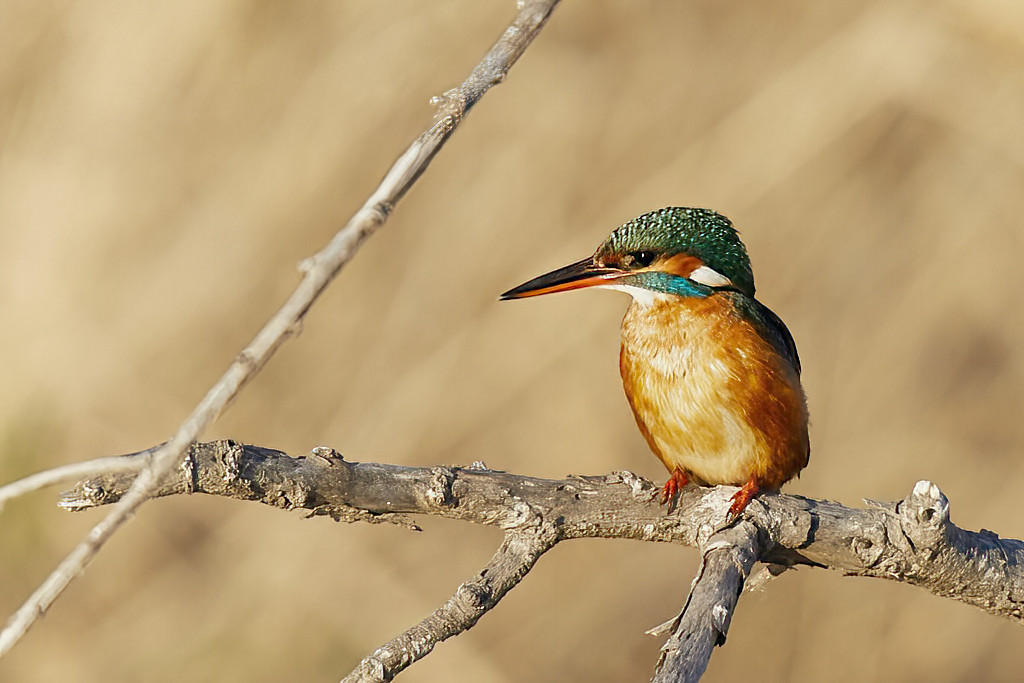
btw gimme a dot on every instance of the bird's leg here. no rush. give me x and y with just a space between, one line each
742 497
674 484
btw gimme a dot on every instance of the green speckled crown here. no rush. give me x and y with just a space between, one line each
699 232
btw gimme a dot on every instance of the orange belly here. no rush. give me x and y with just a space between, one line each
710 395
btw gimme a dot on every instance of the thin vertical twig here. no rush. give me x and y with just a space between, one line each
319 270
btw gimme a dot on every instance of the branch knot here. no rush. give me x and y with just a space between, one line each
924 515
440 492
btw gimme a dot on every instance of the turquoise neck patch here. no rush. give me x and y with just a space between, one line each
667 283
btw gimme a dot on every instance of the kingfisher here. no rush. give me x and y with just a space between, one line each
712 374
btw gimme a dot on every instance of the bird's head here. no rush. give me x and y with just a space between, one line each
670 252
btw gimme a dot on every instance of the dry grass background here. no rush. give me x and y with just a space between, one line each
164 166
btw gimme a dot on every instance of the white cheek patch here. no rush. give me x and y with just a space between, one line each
710 277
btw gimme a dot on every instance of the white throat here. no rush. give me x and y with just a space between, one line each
642 297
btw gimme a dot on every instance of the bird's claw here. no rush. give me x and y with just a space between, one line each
741 498
673 486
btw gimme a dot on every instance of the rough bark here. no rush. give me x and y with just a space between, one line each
518 552
726 561
911 541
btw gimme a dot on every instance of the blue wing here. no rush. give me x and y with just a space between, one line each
770 326
782 338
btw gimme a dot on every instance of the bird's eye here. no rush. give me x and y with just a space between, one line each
640 259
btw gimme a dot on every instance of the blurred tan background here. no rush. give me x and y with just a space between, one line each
165 166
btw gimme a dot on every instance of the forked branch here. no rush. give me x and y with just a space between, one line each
911 541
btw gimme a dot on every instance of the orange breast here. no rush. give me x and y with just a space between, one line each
710 396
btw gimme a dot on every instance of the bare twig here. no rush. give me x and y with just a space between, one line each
319 271
518 552
725 564
76 471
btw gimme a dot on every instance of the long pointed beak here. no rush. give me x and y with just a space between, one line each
577 275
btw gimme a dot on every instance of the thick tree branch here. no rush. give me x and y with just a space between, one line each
911 541
319 270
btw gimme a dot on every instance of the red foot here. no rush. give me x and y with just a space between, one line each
742 497
674 484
